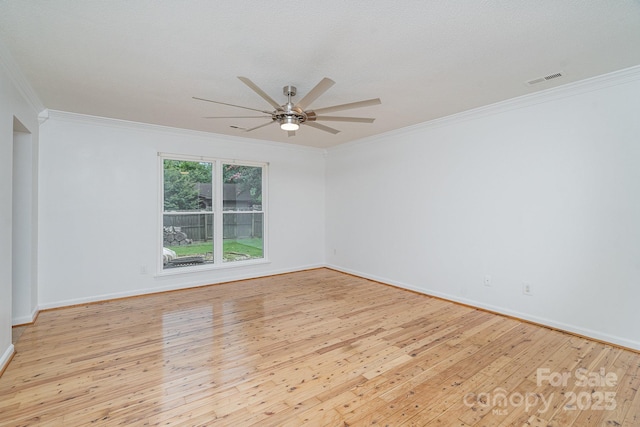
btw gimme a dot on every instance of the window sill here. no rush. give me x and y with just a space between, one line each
210 267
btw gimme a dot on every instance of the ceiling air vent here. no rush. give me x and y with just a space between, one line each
544 79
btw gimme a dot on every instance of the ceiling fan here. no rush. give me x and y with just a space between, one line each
290 116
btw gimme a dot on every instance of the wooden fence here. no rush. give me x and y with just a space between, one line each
199 227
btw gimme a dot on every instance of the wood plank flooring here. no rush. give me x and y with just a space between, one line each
317 348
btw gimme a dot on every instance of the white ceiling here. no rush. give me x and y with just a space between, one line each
143 60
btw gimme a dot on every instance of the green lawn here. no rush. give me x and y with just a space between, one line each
235 249
250 247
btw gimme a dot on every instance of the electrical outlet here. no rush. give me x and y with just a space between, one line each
143 269
527 288
487 280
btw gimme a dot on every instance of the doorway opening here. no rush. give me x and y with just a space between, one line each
23 227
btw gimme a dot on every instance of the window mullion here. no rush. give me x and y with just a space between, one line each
217 213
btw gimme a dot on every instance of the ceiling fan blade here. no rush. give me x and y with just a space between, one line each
345 119
291 133
321 127
258 127
237 117
342 107
260 92
231 105
318 90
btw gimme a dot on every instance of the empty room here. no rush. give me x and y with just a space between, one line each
337 213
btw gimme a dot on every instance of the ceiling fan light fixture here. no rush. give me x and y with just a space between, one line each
290 124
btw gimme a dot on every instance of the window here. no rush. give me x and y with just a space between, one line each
212 212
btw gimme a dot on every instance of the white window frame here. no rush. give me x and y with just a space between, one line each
217 211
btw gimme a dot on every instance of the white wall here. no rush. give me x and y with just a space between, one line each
543 189
99 207
14 107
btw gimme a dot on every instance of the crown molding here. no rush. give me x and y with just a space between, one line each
43 116
592 84
147 127
19 80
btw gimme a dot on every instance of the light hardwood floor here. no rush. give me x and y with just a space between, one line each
316 348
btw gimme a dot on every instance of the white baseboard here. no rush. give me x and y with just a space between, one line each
173 287
573 329
23 320
6 357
